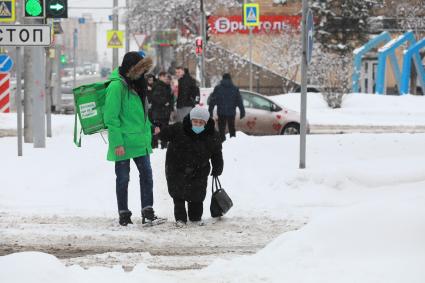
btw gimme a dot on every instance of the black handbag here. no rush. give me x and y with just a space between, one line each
220 200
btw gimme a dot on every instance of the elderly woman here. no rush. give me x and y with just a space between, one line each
192 145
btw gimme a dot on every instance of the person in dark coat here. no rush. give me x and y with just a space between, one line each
162 100
188 93
227 97
192 145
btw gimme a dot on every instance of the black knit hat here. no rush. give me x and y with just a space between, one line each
130 59
226 76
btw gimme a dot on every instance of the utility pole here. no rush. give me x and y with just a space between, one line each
249 53
115 27
74 55
204 43
48 91
57 91
127 28
19 84
39 95
28 88
303 130
250 58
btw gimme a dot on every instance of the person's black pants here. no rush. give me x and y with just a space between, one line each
194 209
230 122
161 123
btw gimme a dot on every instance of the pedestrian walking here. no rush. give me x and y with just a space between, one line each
188 93
162 104
226 97
193 144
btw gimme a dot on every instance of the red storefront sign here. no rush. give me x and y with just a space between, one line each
268 24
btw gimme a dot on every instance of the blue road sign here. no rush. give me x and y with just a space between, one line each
6 63
310 33
81 21
251 15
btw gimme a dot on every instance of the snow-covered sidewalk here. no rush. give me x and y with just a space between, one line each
361 198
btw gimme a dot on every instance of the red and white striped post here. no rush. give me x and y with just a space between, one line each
4 92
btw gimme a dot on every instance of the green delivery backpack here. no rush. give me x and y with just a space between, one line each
89 102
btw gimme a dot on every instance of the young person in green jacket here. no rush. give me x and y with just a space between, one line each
129 134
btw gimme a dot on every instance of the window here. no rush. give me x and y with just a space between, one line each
256 102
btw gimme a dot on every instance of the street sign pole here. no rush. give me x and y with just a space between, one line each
74 51
250 58
18 98
251 19
204 43
127 28
39 97
115 63
304 69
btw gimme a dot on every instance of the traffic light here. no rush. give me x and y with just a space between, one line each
64 59
56 9
207 28
34 9
199 45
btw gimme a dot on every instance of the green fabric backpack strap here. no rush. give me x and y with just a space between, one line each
77 138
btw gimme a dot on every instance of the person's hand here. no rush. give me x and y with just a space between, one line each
215 173
119 151
157 130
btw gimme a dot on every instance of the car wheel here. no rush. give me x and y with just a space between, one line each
291 129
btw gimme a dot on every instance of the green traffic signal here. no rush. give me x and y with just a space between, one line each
34 9
64 59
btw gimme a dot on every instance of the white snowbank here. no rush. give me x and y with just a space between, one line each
32 267
360 109
362 196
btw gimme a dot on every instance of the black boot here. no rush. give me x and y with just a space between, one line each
125 218
149 217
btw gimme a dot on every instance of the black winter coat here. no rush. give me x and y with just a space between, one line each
227 97
187 164
189 93
161 101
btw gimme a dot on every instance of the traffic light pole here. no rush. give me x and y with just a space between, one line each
303 128
127 28
115 27
204 43
57 97
74 55
39 95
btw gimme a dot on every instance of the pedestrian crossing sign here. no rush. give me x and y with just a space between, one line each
115 39
7 11
251 15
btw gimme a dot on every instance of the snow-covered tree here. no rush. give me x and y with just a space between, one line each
332 72
282 54
342 25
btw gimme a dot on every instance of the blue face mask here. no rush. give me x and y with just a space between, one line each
198 130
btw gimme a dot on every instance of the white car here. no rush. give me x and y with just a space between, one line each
262 115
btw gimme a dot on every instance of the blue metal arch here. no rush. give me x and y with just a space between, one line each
413 53
384 37
389 50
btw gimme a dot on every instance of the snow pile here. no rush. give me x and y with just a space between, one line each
361 196
360 109
38 267
380 240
